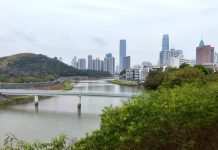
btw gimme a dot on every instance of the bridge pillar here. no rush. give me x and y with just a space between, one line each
36 99
79 104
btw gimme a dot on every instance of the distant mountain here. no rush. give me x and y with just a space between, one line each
38 65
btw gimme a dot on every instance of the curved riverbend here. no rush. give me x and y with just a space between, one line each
58 115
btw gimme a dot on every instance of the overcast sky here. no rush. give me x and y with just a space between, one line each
67 28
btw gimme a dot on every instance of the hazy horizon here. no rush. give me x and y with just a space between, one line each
70 28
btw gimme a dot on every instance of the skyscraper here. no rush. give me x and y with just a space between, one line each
126 62
97 64
74 62
204 53
165 53
82 63
90 62
122 53
216 57
165 42
109 64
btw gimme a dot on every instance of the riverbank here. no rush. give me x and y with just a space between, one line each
12 100
124 82
65 85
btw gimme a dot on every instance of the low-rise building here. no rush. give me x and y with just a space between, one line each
137 73
177 61
213 66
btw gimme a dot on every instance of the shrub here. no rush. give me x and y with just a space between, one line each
182 76
180 118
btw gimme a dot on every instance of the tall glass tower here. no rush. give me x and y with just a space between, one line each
122 53
165 53
165 42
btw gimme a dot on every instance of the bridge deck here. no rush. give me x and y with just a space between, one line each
62 93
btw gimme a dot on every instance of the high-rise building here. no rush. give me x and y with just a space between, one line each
216 57
102 65
97 64
176 53
204 54
117 69
74 62
109 64
165 42
165 53
90 62
122 53
126 62
82 63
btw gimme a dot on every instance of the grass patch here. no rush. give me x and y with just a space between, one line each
67 85
15 100
124 82
20 100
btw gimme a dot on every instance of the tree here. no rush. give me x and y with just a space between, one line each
184 65
154 79
182 76
204 69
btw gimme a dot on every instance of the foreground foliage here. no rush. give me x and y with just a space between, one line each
181 118
12 143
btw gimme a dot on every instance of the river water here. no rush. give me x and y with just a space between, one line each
58 115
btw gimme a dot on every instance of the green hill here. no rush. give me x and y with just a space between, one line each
28 67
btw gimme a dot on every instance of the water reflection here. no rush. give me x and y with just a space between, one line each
36 108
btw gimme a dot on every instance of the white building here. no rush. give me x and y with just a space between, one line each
138 73
177 61
177 58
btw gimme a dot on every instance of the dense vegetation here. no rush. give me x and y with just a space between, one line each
32 67
180 118
173 77
12 143
182 113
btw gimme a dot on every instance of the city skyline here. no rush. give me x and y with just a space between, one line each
67 28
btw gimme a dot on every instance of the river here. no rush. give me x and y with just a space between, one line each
58 115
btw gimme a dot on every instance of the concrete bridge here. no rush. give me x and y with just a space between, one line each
37 93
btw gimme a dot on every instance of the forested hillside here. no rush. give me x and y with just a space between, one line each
31 67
